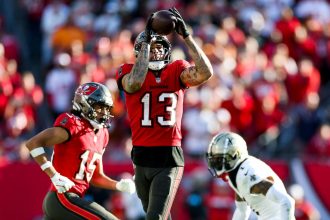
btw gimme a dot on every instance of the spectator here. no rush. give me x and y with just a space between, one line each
54 16
21 111
195 186
80 58
286 27
109 22
10 44
60 82
304 210
300 84
241 107
319 145
317 9
300 125
6 88
66 35
219 200
14 75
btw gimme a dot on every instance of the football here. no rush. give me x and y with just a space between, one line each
163 22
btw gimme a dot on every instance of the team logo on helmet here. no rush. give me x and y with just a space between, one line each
87 89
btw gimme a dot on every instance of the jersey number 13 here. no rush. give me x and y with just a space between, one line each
169 109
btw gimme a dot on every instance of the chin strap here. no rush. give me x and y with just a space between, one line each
93 123
156 65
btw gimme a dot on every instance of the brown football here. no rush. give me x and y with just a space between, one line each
163 22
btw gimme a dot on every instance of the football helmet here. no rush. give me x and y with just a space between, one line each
164 58
90 95
225 152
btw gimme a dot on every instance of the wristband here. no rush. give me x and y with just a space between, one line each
46 165
37 151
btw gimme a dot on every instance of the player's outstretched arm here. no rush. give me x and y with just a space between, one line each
133 82
48 138
99 179
202 70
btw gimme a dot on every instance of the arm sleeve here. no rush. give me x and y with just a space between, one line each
284 200
242 211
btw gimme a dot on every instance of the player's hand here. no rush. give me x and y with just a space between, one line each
61 183
126 185
180 25
148 30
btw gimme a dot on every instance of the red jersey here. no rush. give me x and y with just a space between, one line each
155 111
76 158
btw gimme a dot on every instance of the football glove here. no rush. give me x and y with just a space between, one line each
61 183
126 185
148 30
180 25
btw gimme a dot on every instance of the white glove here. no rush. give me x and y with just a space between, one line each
61 183
126 185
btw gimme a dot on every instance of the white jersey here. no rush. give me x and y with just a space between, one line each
249 173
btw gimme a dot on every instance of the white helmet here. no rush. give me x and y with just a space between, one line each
166 57
225 152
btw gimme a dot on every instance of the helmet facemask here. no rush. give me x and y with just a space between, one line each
100 118
226 151
161 60
89 100
159 56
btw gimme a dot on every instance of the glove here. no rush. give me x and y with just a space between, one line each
148 30
126 185
180 25
61 183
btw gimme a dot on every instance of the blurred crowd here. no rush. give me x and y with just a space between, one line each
271 60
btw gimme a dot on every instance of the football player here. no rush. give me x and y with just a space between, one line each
257 186
79 139
154 88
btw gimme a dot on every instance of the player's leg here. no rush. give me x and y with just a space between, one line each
163 189
71 206
142 185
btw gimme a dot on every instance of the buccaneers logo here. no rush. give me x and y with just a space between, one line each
87 89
